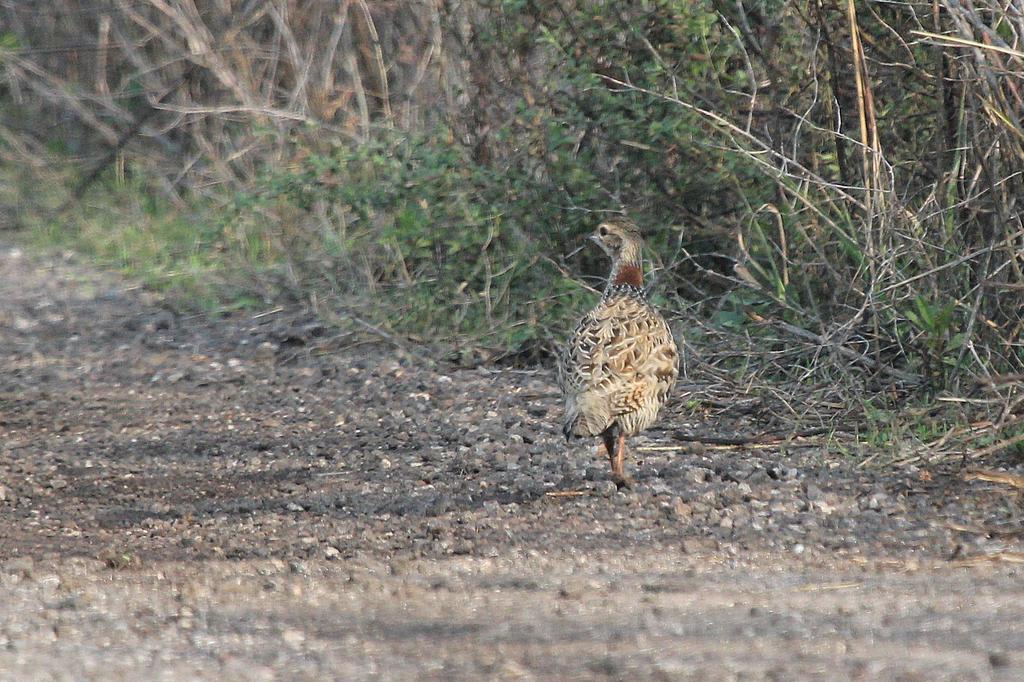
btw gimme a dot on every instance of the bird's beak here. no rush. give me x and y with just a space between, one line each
594 238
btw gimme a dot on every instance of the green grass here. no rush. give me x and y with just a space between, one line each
126 227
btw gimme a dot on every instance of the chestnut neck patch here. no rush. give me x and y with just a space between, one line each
631 274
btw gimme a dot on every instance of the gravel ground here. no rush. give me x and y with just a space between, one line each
184 498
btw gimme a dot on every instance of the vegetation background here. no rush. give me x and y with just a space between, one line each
829 187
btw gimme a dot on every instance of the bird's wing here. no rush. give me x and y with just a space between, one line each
622 351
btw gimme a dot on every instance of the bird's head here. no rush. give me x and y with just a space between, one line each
619 237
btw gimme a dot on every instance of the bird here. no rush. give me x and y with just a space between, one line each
620 363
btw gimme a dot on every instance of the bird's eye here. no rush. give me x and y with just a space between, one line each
603 231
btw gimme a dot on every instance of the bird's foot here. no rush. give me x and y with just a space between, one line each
623 480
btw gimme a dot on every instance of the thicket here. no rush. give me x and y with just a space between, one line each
829 187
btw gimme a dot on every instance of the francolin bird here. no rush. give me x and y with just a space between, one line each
620 362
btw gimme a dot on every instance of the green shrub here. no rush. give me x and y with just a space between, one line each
414 235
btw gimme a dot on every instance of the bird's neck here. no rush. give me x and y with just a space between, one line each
627 271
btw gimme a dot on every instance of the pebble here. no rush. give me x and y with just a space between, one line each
681 509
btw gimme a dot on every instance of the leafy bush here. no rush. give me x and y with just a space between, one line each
411 233
799 167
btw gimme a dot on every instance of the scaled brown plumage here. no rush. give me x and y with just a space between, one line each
620 363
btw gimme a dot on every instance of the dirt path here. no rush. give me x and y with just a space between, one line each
187 499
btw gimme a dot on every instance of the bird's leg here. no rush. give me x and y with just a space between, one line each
608 439
619 463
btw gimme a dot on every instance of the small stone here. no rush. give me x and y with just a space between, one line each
660 488
573 588
293 638
814 492
875 501
826 505
998 659
759 476
698 474
266 350
699 545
